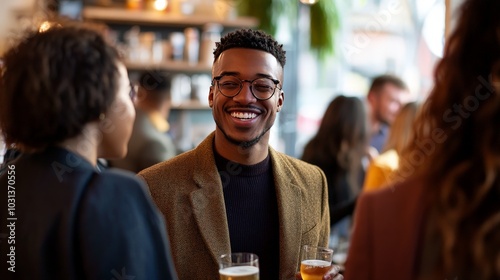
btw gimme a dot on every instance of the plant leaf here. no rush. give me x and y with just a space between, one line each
324 23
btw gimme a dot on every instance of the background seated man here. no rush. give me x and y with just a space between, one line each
150 143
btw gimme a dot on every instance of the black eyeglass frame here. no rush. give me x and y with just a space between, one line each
275 81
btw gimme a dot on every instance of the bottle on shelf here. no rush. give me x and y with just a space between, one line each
132 43
177 41
211 34
146 42
192 45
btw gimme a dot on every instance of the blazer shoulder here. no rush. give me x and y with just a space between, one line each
293 162
183 163
296 164
301 172
179 162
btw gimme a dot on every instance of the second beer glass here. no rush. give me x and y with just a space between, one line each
315 262
239 266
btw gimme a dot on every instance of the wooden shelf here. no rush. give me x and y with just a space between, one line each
174 66
120 15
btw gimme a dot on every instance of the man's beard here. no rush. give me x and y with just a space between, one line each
381 119
243 144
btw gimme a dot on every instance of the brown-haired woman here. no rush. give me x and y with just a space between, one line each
338 149
64 102
444 221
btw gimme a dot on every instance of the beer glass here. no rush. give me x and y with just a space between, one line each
239 266
315 262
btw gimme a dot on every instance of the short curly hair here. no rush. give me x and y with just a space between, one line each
54 83
251 39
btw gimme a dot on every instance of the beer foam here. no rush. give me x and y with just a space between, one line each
239 270
316 263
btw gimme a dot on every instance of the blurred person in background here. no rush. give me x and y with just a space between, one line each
381 169
150 143
64 102
338 148
443 222
386 97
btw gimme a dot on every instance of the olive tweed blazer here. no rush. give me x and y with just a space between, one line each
188 191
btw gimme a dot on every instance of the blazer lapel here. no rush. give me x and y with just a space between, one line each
289 209
207 202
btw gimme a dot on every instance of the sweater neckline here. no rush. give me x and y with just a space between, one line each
237 169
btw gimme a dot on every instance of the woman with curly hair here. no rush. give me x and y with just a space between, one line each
64 103
443 222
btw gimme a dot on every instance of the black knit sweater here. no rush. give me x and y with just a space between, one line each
252 212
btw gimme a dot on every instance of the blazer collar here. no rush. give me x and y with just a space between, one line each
208 201
289 208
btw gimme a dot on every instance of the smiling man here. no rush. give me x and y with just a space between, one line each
234 193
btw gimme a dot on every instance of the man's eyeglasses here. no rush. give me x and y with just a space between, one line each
261 88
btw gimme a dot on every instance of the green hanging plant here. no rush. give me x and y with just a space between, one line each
261 10
324 23
324 19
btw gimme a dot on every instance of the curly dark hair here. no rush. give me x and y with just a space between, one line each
251 39
461 168
55 82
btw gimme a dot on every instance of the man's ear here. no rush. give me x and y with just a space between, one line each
372 97
281 99
210 97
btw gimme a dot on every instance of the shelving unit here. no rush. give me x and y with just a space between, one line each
174 66
142 17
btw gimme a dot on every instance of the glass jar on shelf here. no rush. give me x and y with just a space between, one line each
211 34
192 45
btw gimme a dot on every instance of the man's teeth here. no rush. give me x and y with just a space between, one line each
241 115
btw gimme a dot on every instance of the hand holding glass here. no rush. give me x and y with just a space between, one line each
239 266
315 262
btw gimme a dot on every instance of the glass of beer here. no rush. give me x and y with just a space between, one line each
315 262
239 266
